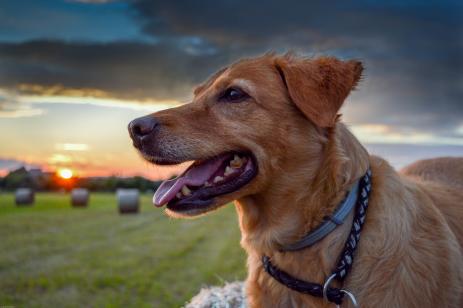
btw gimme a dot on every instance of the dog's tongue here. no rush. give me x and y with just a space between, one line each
194 176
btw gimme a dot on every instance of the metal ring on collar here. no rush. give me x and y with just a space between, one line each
326 286
349 294
351 297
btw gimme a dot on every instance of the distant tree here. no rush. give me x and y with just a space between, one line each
18 178
39 180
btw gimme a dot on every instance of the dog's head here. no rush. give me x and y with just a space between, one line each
246 126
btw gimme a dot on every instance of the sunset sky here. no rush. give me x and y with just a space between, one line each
73 73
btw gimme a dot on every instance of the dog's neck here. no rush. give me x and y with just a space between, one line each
300 197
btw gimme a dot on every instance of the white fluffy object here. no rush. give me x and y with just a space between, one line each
231 295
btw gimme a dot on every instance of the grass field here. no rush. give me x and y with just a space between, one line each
52 255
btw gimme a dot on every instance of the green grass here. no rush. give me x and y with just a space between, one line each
52 255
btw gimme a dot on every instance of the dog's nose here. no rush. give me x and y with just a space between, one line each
143 126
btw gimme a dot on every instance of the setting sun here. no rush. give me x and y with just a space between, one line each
65 173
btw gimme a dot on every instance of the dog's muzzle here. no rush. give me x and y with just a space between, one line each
141 129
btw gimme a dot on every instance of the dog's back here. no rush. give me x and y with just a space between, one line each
444 170
442 178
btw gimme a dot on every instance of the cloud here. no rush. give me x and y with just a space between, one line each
12 107
402 154
73 147
29 100
411 50
93 1
163 71
337 24
380 133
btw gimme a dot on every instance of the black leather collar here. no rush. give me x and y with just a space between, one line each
346 258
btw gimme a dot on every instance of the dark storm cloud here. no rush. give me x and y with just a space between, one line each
128 70
412 52
340 22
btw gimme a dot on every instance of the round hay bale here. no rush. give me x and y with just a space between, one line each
231 295
128 200
79 197
24 196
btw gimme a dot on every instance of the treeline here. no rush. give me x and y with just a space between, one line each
46 181
112 183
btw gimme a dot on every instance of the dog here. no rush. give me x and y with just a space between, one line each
266 132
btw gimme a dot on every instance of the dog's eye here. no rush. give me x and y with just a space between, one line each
233 95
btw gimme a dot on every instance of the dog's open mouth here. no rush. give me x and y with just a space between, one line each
196 188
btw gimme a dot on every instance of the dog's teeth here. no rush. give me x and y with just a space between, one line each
228 171
237 162
179 195
186 191
218 179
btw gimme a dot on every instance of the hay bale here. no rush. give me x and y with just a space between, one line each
128 200
24 196
231 295
80 197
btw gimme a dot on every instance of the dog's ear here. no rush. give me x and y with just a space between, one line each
319 86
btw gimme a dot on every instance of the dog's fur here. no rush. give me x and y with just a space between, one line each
410 251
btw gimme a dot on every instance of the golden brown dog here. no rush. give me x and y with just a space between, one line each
266 133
